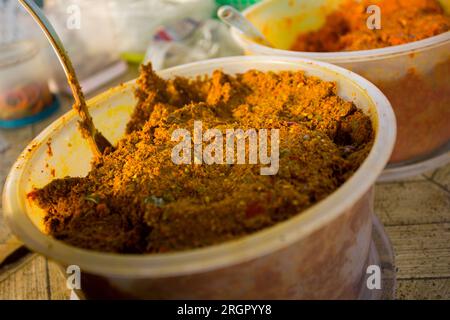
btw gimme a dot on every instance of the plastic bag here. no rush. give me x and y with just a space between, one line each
190 40
135 21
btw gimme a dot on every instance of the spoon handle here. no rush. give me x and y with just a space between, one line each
96 140
235 19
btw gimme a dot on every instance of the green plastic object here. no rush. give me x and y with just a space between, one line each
238 4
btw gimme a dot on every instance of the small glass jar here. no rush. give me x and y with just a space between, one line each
25 96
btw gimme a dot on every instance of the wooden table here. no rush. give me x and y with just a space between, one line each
415 212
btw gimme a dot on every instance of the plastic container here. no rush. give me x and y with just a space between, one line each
24 93
92 49
320 253
415 77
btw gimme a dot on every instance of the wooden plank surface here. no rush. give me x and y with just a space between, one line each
422 251
424 289
416 213
412 202
27 281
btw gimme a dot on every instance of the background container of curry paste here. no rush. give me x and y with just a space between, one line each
321 253
415 77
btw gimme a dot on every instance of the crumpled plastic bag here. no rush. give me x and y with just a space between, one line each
189 40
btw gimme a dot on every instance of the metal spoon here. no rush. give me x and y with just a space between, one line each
235 19
97 141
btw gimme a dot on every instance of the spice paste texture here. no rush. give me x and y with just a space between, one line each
402 21
136 200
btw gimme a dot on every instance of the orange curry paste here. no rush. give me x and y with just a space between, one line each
136 200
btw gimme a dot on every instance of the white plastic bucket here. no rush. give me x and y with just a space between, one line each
320 253
415 77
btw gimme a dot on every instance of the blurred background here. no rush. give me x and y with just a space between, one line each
107 40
